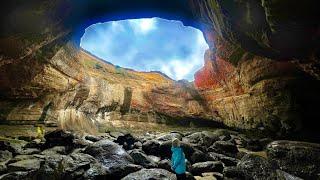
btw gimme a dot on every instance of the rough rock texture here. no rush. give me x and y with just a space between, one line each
78 89
262 71
298 158
257 92
146 174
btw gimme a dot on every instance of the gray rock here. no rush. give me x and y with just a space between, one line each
113 157
21 158
96 171
55 150
256 167
59 138
281 175
227 161
137 145
151 147
142 159
298 158
199 156
18 175
118 172
156 159
5 156
165 164
170 137
209 166
224 147
148 174
233 172
25 165
93 138
3 167
29 151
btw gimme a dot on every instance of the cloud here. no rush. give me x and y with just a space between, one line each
152 44
143 26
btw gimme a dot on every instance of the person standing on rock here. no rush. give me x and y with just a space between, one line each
178 160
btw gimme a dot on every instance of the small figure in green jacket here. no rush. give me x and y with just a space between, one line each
178 160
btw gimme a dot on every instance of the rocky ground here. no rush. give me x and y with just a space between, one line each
217 154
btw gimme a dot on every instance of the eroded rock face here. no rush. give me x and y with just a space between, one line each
257 92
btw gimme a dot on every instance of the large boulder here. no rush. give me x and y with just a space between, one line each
299 158
151 147
199 156
26 165
148 174
224 147
113 157
209 166
59 138
226 160
142 159
256 167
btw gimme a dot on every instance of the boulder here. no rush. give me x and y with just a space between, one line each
113 157
199 156
281 175
118 172
18 175
148 174
137 145
256 167
170 137
3 167
25 165
233 172
36 143
224 147
142 159
151 147
92 138
227 161
127 141
25 157
165 164
209 166
298 158
4 145
29 151
96 171
59 138
55 150
5 156
52 167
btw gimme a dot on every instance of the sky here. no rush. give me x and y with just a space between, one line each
150 44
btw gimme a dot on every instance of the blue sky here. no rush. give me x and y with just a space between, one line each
150 44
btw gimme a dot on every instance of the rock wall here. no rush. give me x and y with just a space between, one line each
75 86
257 92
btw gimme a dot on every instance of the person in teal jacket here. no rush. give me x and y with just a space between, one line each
178 160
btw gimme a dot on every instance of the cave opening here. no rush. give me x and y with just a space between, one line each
148 45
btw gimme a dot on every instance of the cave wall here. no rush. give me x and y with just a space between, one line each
261 71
